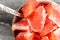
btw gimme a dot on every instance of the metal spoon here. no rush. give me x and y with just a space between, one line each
9 10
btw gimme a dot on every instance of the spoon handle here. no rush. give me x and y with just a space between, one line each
9 10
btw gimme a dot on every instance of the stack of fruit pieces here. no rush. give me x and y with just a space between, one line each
41 21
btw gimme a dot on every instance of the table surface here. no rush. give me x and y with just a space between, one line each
6 19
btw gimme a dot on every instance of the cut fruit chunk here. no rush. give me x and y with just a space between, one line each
45 38
32 36
37 19
27 36
52 36
57 33
29 7
21 25
53 11
20 36
36 36
49 27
